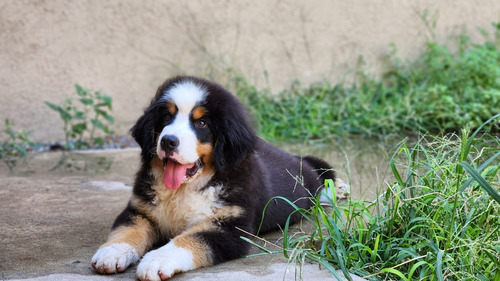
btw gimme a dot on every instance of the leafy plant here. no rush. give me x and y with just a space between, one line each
438 220
82 122
15 147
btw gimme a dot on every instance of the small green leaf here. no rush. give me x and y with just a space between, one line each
53 106
97 124
10 132
80 91
79 128
100 111
63 113
107 100
99 141
109 118
22 150
79 115
87 101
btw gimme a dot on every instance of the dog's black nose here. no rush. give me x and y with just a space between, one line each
169 143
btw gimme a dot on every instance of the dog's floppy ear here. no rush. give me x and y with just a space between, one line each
235 139
142 132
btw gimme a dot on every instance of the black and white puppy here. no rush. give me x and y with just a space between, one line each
204 174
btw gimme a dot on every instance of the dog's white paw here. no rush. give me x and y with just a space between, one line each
342 191
114 258
162 263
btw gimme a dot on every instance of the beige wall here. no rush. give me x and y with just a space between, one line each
127 48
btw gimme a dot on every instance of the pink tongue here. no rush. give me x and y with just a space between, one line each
174 174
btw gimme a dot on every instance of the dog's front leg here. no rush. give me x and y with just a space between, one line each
214 240
125 246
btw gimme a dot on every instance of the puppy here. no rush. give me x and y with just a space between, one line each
204 175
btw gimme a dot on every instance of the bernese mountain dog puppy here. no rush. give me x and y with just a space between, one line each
204 176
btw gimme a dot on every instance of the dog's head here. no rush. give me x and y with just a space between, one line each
191 126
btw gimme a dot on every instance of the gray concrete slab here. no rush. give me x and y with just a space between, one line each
51 223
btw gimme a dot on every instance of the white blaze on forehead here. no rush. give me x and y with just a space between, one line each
186 95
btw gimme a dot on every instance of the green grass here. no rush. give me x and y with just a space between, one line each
441 90
438 220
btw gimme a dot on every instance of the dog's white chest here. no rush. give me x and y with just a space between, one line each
178 210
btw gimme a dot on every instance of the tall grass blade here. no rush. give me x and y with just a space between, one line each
439 265
479 170
396 173
481 181
497 275
415 267
395 272
266 251
329 267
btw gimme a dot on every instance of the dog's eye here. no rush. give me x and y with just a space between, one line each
168 117
200 123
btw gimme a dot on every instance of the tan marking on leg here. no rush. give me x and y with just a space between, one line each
201 252
199 112
139 235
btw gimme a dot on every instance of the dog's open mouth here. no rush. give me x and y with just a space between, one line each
174 173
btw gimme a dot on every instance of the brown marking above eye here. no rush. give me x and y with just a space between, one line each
199 112
171 107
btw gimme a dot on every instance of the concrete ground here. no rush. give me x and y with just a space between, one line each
51 223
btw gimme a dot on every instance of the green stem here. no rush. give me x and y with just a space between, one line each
464 151
453 214
66 135
96 117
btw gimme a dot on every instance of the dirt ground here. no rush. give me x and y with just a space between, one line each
53 222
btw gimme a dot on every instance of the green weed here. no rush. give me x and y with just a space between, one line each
440 91
438 220
15 146
81 122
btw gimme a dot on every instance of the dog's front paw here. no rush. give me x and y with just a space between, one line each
162 263
114 258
